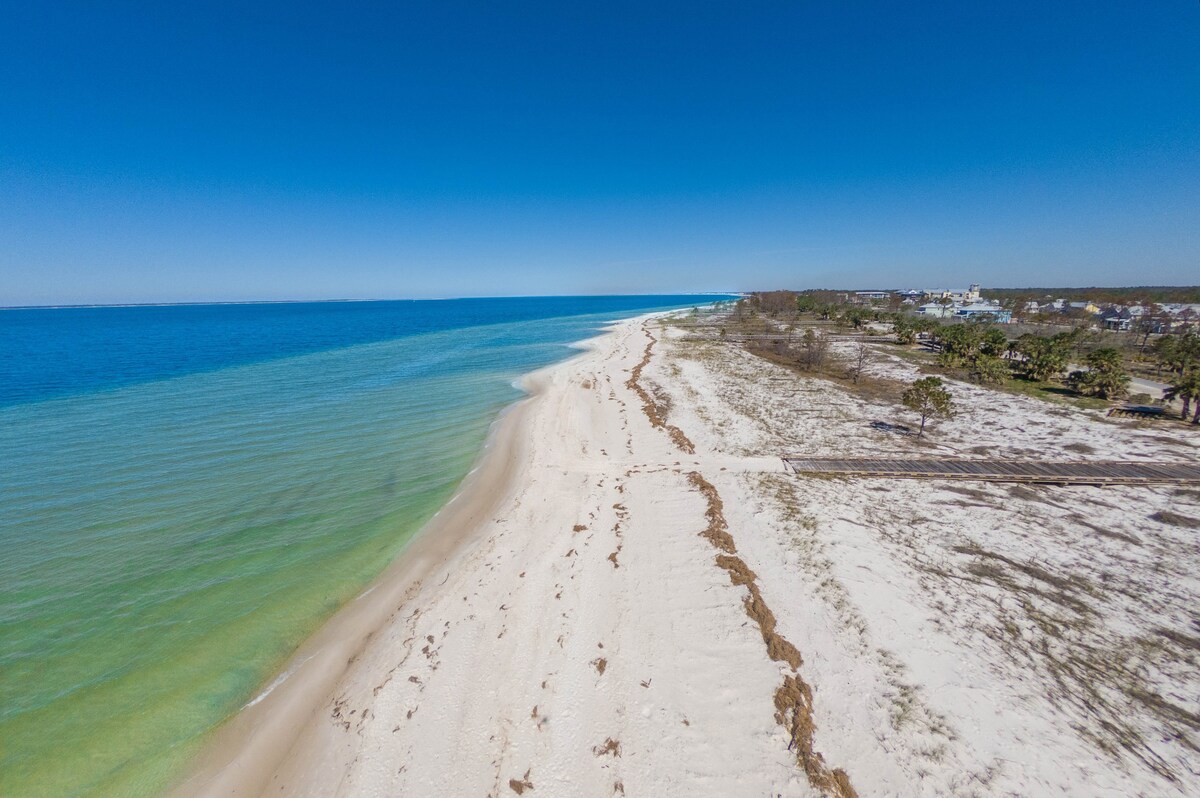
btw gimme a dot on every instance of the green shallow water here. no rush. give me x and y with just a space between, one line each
167 545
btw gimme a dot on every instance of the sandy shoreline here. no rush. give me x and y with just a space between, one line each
246 750
632 597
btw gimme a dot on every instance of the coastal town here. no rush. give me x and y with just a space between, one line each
971 303
1066 351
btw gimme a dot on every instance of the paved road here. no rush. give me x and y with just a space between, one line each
1137 385
1140 385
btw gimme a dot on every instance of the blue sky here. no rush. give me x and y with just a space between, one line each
188 151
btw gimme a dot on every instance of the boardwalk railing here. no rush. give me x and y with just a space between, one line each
1064 472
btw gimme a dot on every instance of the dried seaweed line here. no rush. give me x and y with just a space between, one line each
654 412
793 699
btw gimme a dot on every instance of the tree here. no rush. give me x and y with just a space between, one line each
857 317
1044 358
906 331
958 342
925 324
807 303
1153 320
928 398
1165 352
989 369
1187 390
776 303
1110 380
862 354
1019 305
814 348
818 302
1179 354
993 342
1105 375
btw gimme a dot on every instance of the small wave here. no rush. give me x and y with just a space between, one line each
280 679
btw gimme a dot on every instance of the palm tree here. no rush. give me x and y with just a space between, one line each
1106 374
1178 353
1044 357
989 369
1187 390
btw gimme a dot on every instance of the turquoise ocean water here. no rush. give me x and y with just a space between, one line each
188 492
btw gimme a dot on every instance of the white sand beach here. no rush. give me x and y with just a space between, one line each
632 596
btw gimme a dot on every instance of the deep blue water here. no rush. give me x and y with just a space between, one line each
54 352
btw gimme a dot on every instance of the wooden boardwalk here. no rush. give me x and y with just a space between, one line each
1063 472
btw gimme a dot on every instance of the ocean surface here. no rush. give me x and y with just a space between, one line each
187 492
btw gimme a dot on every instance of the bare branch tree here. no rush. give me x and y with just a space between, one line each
858 363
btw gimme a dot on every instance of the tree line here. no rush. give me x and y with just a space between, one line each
1130 295
987 355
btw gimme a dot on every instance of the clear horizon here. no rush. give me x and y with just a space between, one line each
947 286
303 153
355 299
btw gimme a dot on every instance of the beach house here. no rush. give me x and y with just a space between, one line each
981 310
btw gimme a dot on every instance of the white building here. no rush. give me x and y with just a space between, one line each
963 305
963 296
968 297
937 310
984 309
